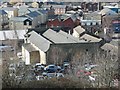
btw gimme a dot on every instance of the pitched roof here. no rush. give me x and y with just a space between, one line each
19 19
107 11
69 36
60 37
90 38
33 14
29 47
39 41
52 17
10 34
33 9
115 42
109 47
2 12
79 29
9 8
43 11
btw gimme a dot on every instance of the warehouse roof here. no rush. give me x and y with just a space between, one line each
90 38
39 41
29 47
10 34
57 38
60 37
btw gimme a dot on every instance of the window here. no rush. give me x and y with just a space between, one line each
30 23
25 23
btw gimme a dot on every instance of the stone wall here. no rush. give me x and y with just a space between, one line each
59 53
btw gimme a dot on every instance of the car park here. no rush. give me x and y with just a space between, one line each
51 68
4 48
66 64
19 55
39 66
89 67
12 69
52 75
12 66
49 75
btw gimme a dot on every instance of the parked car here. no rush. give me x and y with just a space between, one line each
59 68
19 54
21 64
52 75
49 75
60 74
51 68
89 67
66 64
11 48
39 66
12 68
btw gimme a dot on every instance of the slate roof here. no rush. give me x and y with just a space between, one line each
39 41
19 19
9 8
33 9
2 12
107 11
33 14
52 17
60 37
69 36
29 47
43 11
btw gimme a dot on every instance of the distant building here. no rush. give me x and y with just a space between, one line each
78 31
89 6
18 23
37 18
36 4
58 9
112 22
12 12
23 10
64 21
12 35
30 20
112 49
107 11
3 19
81 34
